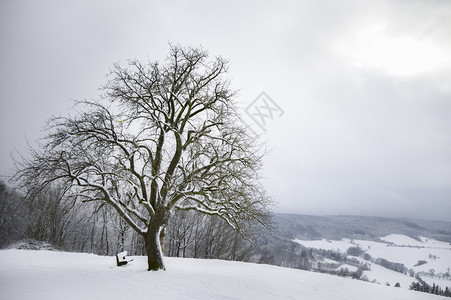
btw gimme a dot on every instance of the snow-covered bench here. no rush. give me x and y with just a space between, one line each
121 259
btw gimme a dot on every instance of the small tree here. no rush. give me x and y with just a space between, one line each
161 138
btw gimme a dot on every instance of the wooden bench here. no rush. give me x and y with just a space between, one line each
121 259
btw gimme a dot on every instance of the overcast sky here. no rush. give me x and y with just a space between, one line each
361 90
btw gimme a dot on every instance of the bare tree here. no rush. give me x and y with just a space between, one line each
180 233
161 138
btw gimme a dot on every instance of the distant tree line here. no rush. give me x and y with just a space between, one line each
191 234
397 267
12 215
426 288
51 217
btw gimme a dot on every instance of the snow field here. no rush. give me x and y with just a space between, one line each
399 249
401 252
48 275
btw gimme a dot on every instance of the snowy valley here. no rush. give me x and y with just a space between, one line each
394 260
408 254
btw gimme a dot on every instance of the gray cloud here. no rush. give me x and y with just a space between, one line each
359 134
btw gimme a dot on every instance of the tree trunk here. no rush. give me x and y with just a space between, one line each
153 249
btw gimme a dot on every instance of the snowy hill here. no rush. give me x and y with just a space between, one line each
48 275
428 258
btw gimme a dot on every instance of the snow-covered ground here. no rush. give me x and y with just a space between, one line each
399 249
47 275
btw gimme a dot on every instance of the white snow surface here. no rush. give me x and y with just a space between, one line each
47 275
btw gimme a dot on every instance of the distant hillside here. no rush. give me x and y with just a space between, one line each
305 227
397 252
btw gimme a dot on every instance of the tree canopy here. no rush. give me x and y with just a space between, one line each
162 137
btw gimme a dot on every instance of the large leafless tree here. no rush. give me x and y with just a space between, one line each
162 137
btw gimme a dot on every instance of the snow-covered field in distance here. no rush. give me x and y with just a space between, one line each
397 248
47 275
